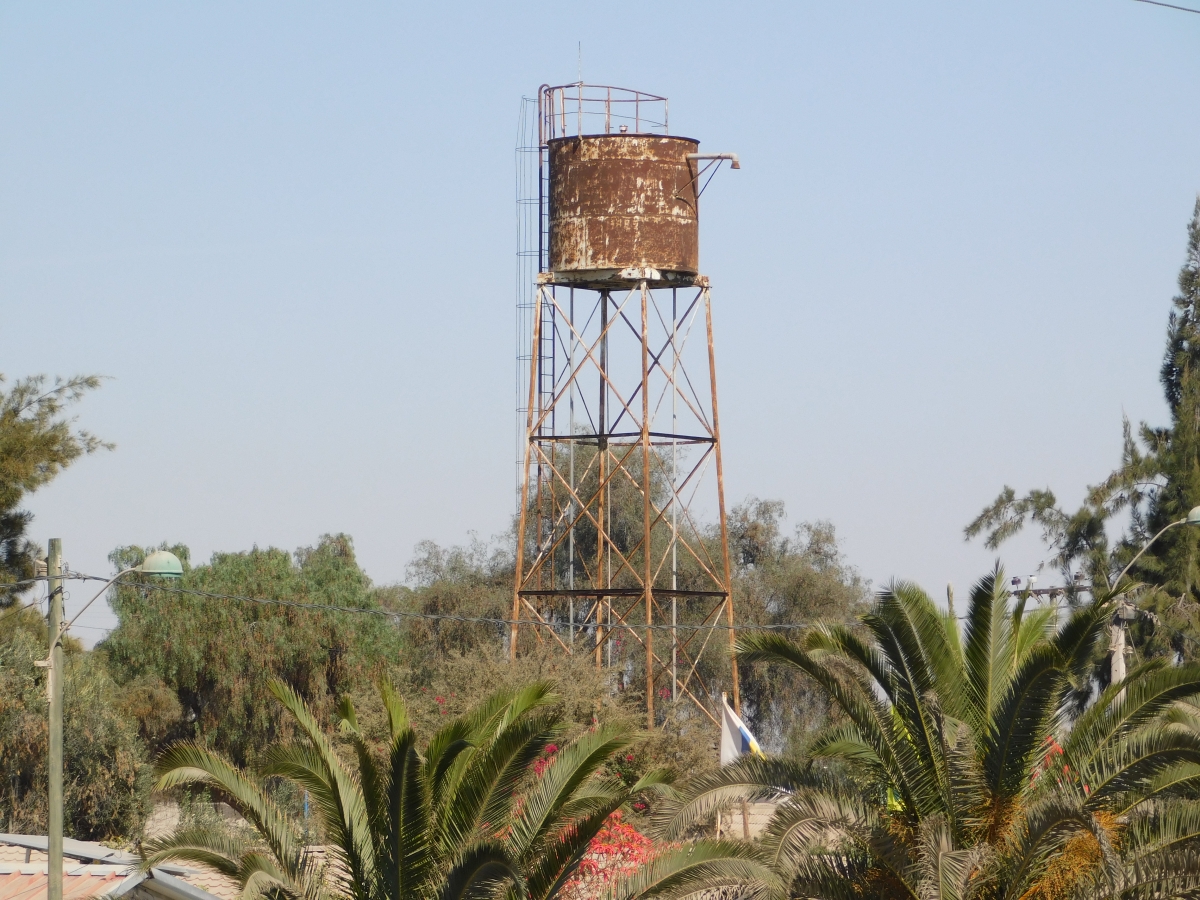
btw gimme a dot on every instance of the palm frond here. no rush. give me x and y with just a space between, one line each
703 866
370 779
1036 627
1134 761
221 850
397 714
345 810
939 647
479 872
899 617
443 750
410 841
988 651
1043 830
1180 780
873 719
549 872
821 822
844 641
1077 641
1162 826
1146 694
485 791
187 763
1020 723
749 778
567 772
945 869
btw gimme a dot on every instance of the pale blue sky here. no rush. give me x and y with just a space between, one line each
287 230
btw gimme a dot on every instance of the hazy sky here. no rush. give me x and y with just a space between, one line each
287 233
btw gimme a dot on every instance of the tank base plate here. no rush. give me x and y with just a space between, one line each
622 279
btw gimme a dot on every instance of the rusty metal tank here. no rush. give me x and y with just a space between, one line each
622 201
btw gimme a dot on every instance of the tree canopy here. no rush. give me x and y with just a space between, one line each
960 767
217 657
1156 483
37 441
107 776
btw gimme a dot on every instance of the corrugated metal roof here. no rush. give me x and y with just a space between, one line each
87 851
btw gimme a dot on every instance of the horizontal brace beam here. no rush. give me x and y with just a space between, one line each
596 438
620 592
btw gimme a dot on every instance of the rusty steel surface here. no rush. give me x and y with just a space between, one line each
621 201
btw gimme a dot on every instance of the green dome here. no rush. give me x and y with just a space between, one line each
162 563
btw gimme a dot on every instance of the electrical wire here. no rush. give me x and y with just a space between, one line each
404 614
13 611
1170 6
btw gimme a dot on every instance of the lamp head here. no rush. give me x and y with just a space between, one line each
162 563
1193 518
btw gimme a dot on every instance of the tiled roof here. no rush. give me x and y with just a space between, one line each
90 869
10 854
213 882
79 882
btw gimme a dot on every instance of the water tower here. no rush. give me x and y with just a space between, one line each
623 548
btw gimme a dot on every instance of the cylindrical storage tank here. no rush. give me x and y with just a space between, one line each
620 201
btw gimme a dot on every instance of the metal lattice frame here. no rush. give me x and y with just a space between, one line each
615 416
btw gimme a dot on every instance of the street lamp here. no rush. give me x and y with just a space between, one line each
1125 611
160 563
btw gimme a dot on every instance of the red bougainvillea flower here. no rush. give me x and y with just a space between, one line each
616 851
542 762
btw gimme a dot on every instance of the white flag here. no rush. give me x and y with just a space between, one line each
736 739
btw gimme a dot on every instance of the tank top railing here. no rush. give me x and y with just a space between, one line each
570 110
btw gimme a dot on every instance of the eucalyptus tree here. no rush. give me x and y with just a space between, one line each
483 810
961 766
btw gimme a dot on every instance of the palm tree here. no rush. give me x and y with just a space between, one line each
464 817
962 767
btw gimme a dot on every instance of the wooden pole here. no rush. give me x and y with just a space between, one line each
54 882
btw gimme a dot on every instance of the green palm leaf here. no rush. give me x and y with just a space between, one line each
703 866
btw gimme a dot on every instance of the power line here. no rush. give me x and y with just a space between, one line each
14 611
403 614
479 620
1170 6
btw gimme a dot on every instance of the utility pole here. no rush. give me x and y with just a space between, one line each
1117 645
54 684
1125 612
